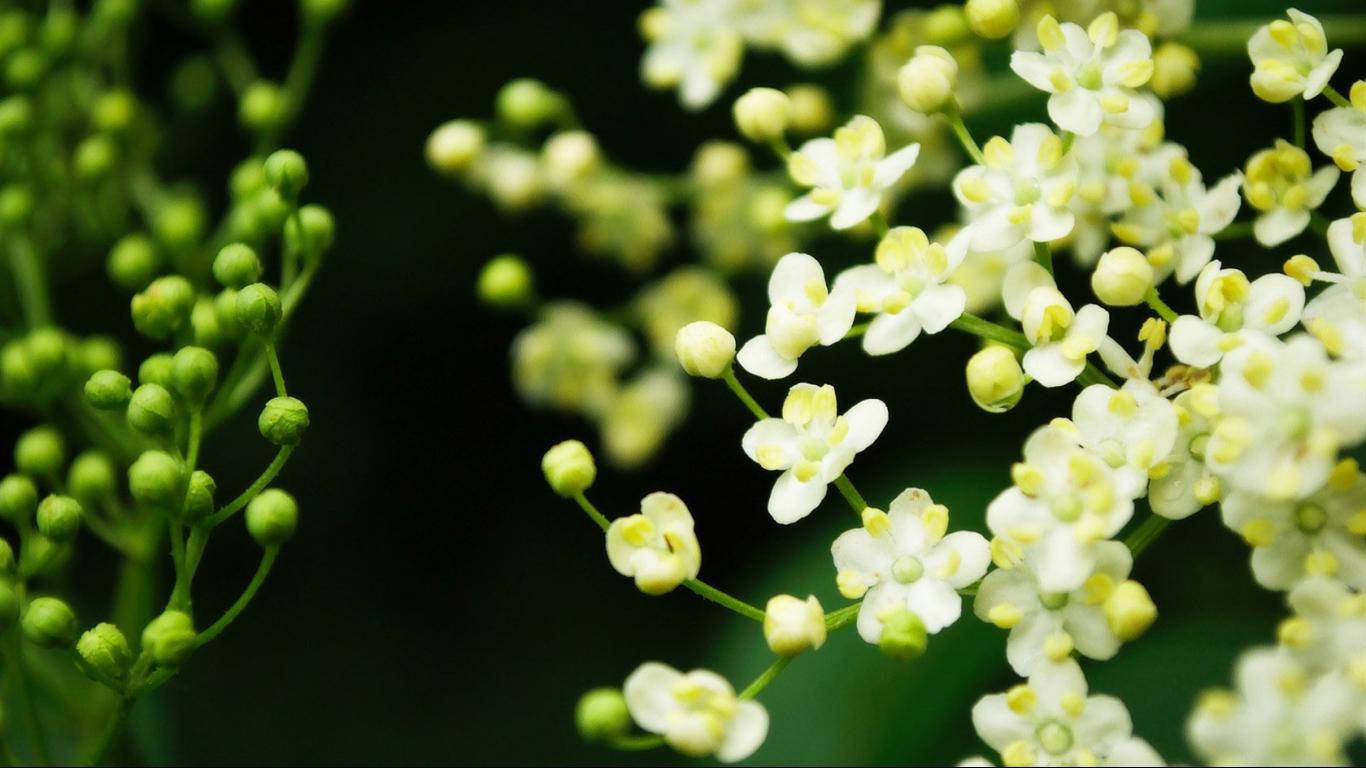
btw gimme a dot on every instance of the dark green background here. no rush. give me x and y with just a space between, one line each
439 603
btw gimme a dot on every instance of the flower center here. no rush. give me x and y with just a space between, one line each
907 569
1054 737
1053 600
1310 518
1090 77
1067 507
1198 445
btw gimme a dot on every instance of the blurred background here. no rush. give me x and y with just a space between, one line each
439 603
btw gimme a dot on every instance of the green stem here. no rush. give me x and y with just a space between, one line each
954 115
857 330
195 438
1297 120
1230 36
761 682
1318 224
258 485
25 692
708 592
879 223
985 329
842 617
1146 533
1337 98
1238 230
180 593
593 513
30 281
111 732
743 394
257 579
1043 256
635 742
851 494
235 63
275 371
1159 306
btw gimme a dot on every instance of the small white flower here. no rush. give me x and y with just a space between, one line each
1065 499
694 46
1341 134
657 547
698 713
1327 634
1282 184
1091 73
1050 625
1131 429
902 560
570 359
802 312
811 445
1022 192
848 173
1291 58
811 33
793 625
1051 721
1228 303
1337 316
907 288
1181 483
1060 337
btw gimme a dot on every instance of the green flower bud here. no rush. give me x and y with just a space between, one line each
157 479
704 349
995 380
1122 277
903 635
258 309
287 172
992 19
40 452
25 68
95 157
164 307
115 12
158 369
946 25
204 321
151 410
39 555
133 263
180 222
322 11
59 517
105 650
16 205
260 216
108 390
263 106
16 368
99 352
601 715
318 230
199 496
527 103
569 468
237 265
762 114
169 638
454 145
212 11
16 115
92 477
225 310
505 281
47 351
49 622
6 558
194 372
283 420
18 498
194 84
59 30
272 517
114 111
9 601
248 178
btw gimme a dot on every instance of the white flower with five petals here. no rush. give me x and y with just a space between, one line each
694 47
1132 429
1291 58
1060 338
1282 184
1341 134
697 713
1021 191
656 547
802 312
1227 303
1181 484
848 173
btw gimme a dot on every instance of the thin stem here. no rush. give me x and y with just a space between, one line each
1337 98
1297 120
30 281
842 617
275 371
1043 256
25 692
111 732
1318 224
1159 306
195 438
235 63
708 592
857 330
635 742
767 676
879 223
1235 231
593 513
1230 36
955 117
1146 533
257 579
990 331
851 494
180 597
743 394
258 485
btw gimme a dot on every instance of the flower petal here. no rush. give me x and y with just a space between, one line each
760 358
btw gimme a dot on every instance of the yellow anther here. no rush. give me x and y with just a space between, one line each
1021 699
1259 532
1028 479
1181 170
1345 475
804 471
638 530
1021 752
1153 333
1135 74
1060 193
1161 255
1217 703
1204 399
1104 29
1295 632
998 153
936 521
1141 193
1358 95
1302 268
974 189
1058 646
1006 553
1005 615
895 301
838 432
1127 233
852 584
1284 482
1261 195
771 456
1098 588
1321 562
1115 102
1077 347
1159 470
1189 221
1020 215
1207 489
1050 151
1049 32
816 291
1258 369
1295 197
1329 335
1123 404
1277 311
876 522
950 565
802 169
1060 80
1073 703
1345 157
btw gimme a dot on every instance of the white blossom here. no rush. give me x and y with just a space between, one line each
1340 133
1021 192
1181 484
1060 338
694 46
848 173
657 547
1227 303
697 713
1282 184
1291 58
802 312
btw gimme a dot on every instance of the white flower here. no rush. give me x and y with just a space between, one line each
802 313
698 713
1051 721
1228 303
1022 192
1102 189
848 173
1282 184
907 288
642 413
1291 58
694 46
1293 540
1279 716
1090 73
902 561
1181 484
1341 134
1347 242
570 359
811 33
1064 501
793 625
811 445
1337 316
1050 625
1060 337
1327 634
1171 213
1131 429
657 547
1285 410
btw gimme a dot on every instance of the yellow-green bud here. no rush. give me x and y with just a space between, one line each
1122 277
198 496
180 222
40 555
258 309
237 265
49 622
995 380
163 307
453 146
59 517
194 372
283 420
946 25
98 352
569 468
133 263
91 477
6 559
59 30
158 369
212 11
927 82
263 106
601 714
151 410
157 479
16 205
94 157
225 310
169 638
40 452
48 350
17 373
272 517
505 281
9 599
286 172
25 69
18 498
704 349
793 625
992 19
318 229
16 115
526 103
194 83
208 332
762 114
105 650
114 111
1174 69
1129 610
569 156
811 109
903 635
